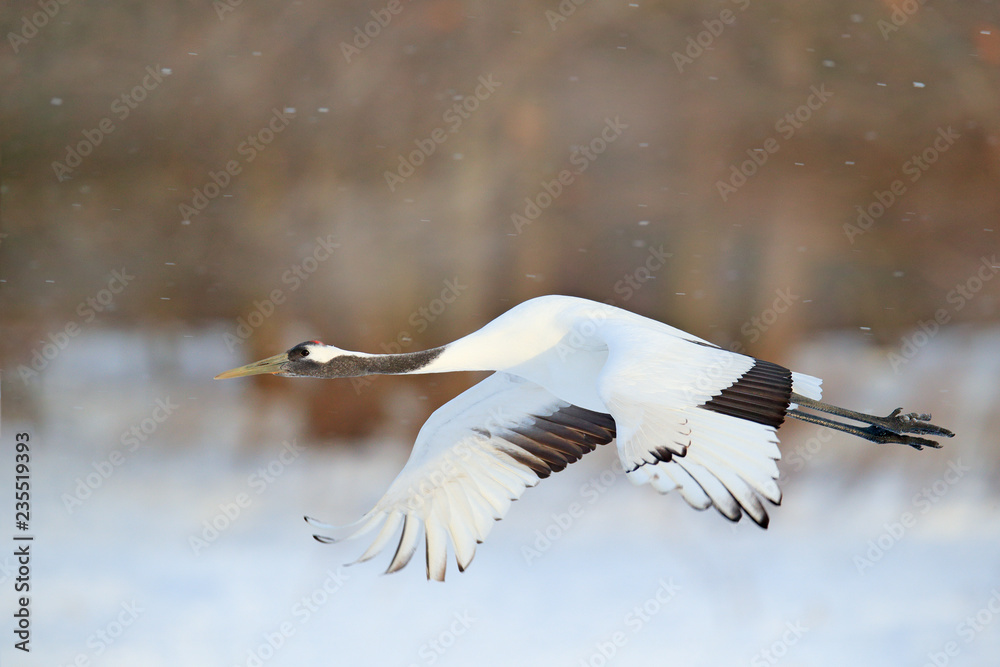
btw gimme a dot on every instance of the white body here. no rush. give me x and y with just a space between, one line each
558 342
553 352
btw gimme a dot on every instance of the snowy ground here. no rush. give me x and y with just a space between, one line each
895 567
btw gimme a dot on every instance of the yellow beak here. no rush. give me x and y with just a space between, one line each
269 365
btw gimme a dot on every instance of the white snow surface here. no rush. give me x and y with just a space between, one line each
856 568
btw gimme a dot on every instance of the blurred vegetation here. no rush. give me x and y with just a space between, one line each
226 69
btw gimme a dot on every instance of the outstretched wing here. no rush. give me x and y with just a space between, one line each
697 418
472 457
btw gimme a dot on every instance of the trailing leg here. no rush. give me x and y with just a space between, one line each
889 429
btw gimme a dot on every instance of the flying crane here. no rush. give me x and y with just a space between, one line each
570 375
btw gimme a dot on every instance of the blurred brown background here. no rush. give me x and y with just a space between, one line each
212 75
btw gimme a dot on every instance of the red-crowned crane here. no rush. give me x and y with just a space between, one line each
572 374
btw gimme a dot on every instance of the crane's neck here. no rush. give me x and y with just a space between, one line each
443 359
564 360
508 342
497 347
346 364
475 352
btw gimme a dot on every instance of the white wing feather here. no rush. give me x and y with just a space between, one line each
472 457
655 385
672 398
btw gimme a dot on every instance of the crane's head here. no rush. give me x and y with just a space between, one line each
309 359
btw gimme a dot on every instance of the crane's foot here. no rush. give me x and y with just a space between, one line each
881 435
893 428
911 422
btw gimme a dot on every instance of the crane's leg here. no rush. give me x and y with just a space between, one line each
890 429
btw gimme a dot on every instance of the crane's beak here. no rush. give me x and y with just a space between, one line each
269 365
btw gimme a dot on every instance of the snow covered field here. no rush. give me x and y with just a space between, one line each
185 548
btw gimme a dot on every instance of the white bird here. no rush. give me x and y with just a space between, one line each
572 374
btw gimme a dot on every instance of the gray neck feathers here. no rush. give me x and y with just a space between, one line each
383 364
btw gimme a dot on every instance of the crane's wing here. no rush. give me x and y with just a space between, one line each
473 456
697 418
